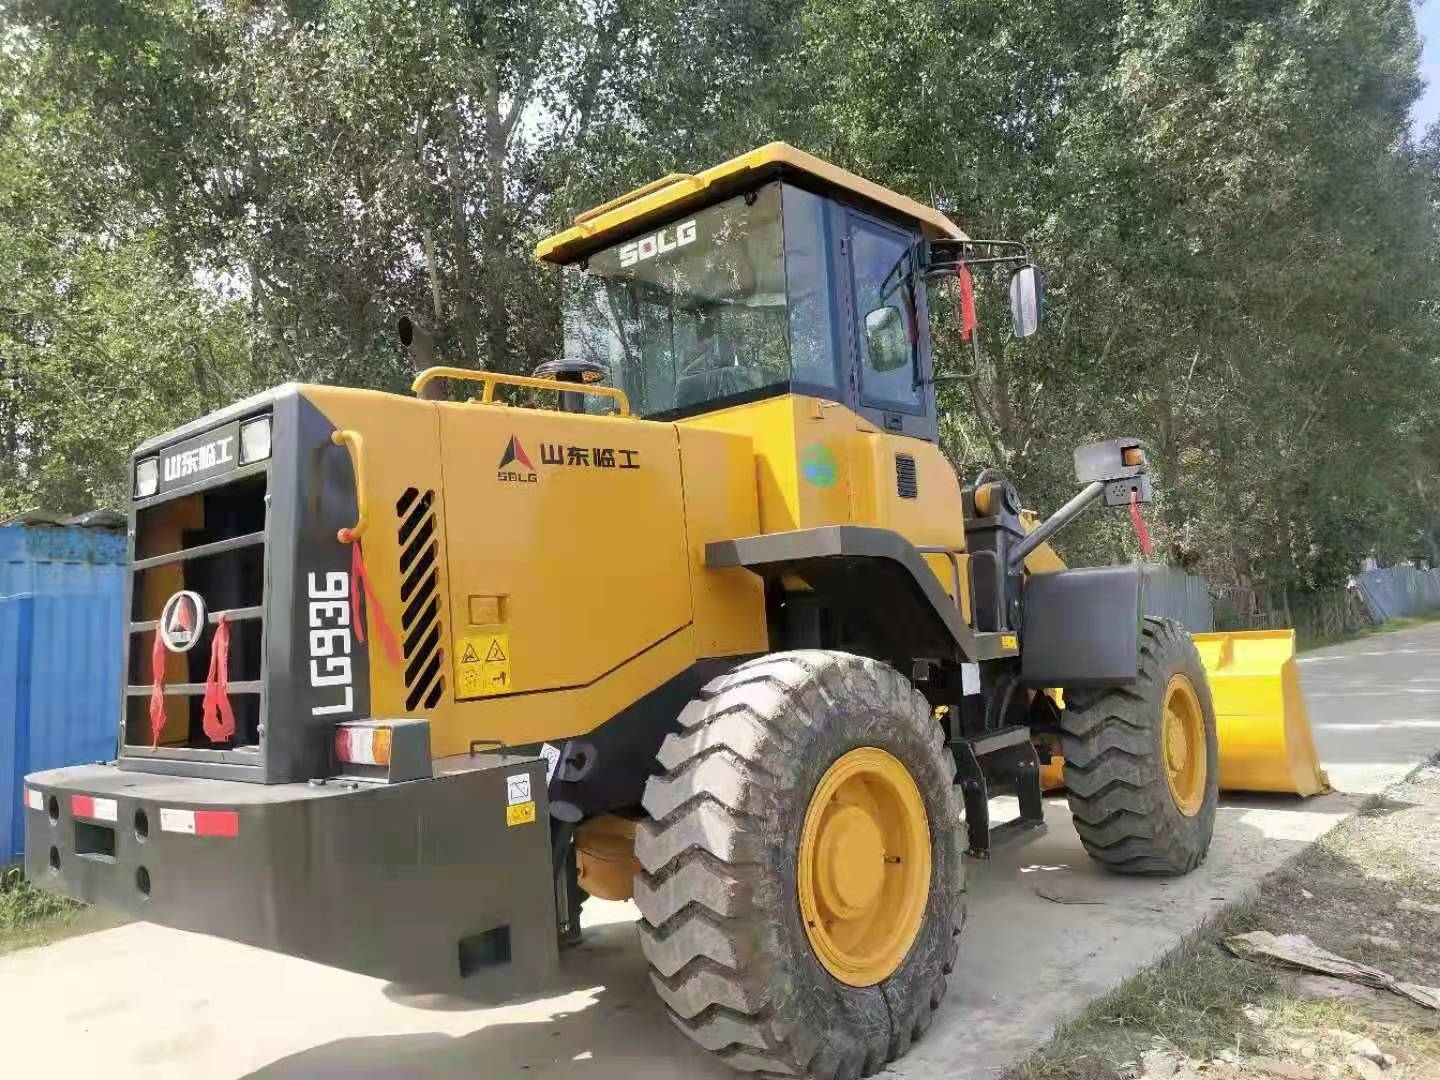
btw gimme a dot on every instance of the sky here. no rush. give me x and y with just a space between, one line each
1427 17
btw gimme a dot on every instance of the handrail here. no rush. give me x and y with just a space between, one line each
352 442
639 193
491 378
954 558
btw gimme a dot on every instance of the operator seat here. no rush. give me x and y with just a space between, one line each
712 370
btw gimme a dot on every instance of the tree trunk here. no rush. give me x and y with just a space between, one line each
463 330
497 323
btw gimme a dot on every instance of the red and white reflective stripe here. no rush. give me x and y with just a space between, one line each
88 806
200 822
33 799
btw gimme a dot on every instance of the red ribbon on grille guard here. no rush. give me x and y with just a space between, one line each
157 690
1141 533
359 579
216 715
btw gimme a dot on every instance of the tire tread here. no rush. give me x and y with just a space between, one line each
704 881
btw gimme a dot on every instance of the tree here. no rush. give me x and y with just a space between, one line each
101 337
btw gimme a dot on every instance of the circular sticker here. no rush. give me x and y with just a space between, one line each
818 466
182 621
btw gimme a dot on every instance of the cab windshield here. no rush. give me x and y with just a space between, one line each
696 315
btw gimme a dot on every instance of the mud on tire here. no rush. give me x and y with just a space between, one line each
1115 769
721 924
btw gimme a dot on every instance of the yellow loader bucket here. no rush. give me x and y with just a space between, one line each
1263 728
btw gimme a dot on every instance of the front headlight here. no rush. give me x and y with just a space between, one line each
255 440
147 477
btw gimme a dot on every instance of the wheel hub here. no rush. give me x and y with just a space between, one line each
851 868
1183 738
863 869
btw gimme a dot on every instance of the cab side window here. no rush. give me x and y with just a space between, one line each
808 277
880 263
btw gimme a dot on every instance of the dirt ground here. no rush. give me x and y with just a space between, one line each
1368 891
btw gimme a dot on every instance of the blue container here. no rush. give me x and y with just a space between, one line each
61 620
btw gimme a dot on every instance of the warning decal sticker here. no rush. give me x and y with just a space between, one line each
482 665
517 788
520 808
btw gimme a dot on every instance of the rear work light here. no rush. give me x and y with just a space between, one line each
147 477
383 751
255 440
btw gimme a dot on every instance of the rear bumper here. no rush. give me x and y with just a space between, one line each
421 882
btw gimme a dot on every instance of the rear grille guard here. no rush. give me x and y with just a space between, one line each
420 620
227 564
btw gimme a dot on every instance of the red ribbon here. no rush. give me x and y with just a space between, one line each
216 715
968 321
157 690
1141 533
359 579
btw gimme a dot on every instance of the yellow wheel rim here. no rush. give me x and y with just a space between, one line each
1183 744
864 867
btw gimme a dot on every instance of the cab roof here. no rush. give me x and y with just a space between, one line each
677 193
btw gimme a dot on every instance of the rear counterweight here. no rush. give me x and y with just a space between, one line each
424 882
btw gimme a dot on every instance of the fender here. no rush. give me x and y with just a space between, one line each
1082 627
874 578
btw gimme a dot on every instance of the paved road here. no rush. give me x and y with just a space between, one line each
144 1001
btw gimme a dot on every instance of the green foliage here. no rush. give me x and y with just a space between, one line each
1239 238
22 904
197 200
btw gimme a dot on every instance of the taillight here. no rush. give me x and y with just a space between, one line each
383 751
363 745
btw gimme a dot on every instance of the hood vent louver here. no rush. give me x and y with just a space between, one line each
420 620
906 484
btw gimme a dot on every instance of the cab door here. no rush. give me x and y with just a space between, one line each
892 356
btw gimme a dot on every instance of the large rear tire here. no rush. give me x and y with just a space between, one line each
768 950
1142 763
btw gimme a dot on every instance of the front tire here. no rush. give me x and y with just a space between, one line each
780 765
1142 763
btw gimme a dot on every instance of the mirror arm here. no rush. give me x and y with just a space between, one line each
1055 522
945 257
936 271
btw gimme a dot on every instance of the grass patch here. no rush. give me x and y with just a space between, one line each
1404 622
1304 642
1191 1001
22 904
31 916
1369 890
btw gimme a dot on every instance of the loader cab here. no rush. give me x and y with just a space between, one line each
780 275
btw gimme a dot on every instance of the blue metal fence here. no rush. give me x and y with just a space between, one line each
1396 591
61 612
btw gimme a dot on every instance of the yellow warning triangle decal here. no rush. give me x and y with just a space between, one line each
495 653
470 657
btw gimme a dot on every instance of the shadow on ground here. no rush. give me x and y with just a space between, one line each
602 1021
599 1019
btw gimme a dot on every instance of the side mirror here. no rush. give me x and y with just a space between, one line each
1027 300
886 339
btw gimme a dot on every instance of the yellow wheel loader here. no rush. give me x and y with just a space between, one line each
718 628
